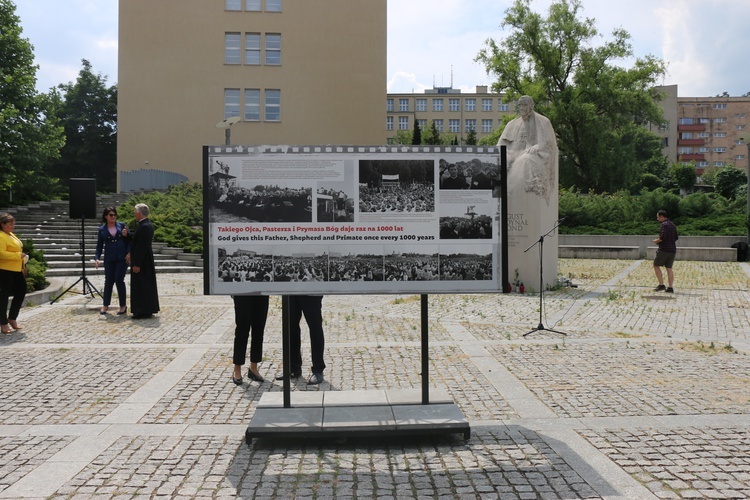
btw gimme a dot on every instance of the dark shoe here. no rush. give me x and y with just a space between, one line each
254 377
237 381
103 310
124 311
670 290
660 288
315 379
280 376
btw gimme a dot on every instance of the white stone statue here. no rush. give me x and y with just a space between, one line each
532 152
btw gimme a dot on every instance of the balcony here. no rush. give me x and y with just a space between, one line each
696 157
700 127
691 142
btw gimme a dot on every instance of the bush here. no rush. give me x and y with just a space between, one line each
728 180
695 205
177 215
37 267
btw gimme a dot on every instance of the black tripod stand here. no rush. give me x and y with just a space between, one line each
88 288
540 241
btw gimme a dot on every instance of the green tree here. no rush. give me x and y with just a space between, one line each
596 106
29 133
402 137
471 137
416 137
88 113
432 135
684 175
728 180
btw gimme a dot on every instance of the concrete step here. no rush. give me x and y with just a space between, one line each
72 271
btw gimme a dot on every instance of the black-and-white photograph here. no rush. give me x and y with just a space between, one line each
243 265
466 222
472 174
411 264
388 186
459 266
301 266
334 203
357 263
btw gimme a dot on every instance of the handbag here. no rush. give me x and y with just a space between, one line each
24 270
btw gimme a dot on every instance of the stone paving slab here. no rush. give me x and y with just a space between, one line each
647 397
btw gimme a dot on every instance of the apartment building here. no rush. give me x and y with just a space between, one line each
292 72
713 131
454 113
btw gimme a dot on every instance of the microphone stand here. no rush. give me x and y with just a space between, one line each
540 241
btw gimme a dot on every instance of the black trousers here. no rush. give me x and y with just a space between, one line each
312 307
250 312
11 283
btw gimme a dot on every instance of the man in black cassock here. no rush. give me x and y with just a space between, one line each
144 297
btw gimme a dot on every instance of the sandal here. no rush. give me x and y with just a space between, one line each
5 329
14 325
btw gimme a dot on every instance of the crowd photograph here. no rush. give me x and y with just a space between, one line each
300 268
334 204
412 267
244 265
388 186
262 203
466 222
365 265
465 267
472 174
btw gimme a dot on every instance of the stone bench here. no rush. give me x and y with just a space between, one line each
598 252
713 254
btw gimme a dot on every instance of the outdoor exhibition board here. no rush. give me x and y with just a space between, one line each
352 219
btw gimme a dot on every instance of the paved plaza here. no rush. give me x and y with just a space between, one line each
648 396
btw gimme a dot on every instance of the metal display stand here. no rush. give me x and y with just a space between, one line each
356 413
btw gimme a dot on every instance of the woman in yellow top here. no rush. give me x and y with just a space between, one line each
12 280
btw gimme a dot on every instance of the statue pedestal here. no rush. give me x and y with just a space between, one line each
529 217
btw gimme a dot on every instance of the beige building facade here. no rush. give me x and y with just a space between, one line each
454 112
292 72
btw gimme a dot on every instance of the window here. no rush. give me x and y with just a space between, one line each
454 125
421 104
703 120
470 125
720 150
685 121
252 105
720 134
252 5
685 151
486 104
720 120
486 126
739 157
502 106
403 123
273 49
403 105
389 105
422 124
273 5
702 135
686 135
232 48
233 5
231 102
702 164
252 48
470 104
438 125
720 106
389 123
703 149
718 164
273 105
454 105
437 104
740 127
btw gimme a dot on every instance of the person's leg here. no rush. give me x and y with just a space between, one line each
659 275
259 314
670 277
5 286
109 281
121 269
295 342
312 306
242 322
19 293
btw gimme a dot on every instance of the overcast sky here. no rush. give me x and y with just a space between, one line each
434 42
